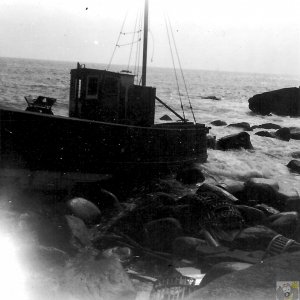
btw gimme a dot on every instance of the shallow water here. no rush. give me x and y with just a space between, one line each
21 77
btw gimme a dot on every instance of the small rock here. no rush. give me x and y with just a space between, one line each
252 216
254 238
284 223
218 123
165 118
296 154
185 247
265 134
283 134
235 141
211 97
267 126
243 125
294 165
84 210
160 234
295 133
223 268
190 175
262 189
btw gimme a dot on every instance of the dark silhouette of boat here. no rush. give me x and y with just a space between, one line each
110 126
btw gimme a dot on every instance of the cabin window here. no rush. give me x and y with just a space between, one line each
92 87
111 86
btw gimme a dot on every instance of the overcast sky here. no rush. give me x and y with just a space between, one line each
233 35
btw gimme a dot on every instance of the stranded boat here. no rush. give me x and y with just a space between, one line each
110 126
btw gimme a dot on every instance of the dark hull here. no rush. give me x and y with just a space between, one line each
37 141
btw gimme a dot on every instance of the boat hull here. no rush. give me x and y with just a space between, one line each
43 142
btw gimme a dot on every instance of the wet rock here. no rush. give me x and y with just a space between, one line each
235 141
254 238
185 247
165 118
295 133
211 141
190 175
284 223
296 154
243 125
252 216
160 234
218 123
256 282
79 231
268 210
107 201
265 134
262 189
283 134
84 210
284 102
294 165
96 278
267 126
292 200
234 187
223 268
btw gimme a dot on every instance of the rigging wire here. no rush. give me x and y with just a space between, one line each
132 42
116 46
183 78
175 73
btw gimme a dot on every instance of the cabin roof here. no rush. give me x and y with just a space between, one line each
98 71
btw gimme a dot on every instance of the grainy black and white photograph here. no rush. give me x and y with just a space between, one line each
149 150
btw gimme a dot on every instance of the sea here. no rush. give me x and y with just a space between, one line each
269 159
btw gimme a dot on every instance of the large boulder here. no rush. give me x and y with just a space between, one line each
256 282
285 102
235 141
284 223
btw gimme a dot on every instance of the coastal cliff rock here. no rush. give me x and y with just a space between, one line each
284 102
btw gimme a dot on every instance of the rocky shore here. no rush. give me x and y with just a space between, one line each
137 237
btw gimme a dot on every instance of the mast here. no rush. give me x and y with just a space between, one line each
145 44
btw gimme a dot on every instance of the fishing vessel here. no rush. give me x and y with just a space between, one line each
111 125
